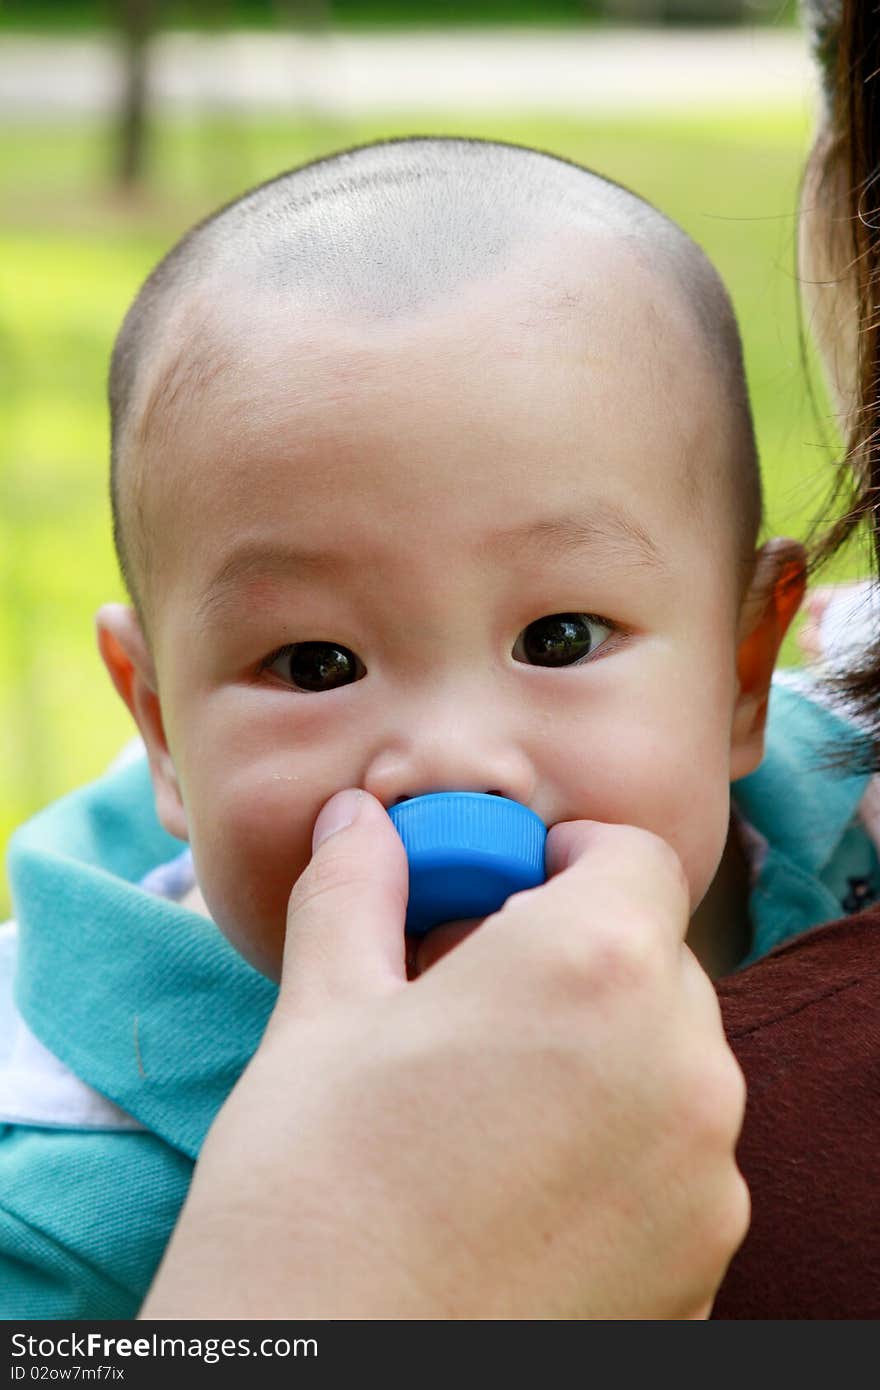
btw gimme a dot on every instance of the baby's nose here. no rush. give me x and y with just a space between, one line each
400 772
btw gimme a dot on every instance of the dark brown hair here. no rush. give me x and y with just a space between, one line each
846 42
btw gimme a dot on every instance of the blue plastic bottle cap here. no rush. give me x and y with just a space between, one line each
467 853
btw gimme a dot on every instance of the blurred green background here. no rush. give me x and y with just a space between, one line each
75 245
74 16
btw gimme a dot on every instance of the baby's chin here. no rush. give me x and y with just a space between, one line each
424 951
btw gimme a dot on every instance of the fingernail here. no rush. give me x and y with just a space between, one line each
339 812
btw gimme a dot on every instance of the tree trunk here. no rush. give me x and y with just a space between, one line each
137 18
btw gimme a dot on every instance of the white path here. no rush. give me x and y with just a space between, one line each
574 71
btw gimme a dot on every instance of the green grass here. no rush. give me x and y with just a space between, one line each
72 255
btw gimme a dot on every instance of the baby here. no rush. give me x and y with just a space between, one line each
433 468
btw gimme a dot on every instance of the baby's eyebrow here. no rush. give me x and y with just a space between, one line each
257 560
606 526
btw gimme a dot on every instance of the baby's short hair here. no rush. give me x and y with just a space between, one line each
381 230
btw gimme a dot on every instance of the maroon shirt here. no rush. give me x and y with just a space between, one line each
804 1023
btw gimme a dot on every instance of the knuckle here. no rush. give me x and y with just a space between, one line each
659 855
737 1215
613 963
625 953
667 862
612 940
616 954
736 1088
726 1222
718 1223
712 1096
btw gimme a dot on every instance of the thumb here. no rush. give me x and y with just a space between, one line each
347 908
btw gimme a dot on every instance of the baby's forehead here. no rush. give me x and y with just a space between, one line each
565 293
524 398
328 300
546 374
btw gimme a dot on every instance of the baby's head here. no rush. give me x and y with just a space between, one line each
433 468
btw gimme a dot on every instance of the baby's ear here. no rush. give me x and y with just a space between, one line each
773 598
126 654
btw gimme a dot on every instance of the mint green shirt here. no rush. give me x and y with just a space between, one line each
820 863
147 1003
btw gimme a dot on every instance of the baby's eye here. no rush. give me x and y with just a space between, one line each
316 665
562 639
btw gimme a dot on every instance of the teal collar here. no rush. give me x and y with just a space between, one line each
800 804
802 807
142 999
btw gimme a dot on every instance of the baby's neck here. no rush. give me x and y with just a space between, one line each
720 930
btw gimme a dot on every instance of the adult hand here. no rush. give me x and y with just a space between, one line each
540 1126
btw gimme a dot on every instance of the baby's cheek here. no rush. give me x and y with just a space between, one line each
651 775
691 811
248 853
700 846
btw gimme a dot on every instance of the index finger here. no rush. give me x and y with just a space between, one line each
621 863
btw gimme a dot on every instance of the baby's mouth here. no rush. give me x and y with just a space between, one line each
424 951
